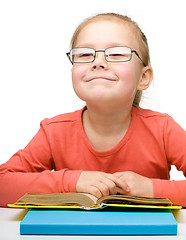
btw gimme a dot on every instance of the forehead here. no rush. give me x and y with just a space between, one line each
105 33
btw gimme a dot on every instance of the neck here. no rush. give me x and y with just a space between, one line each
106 127
105 118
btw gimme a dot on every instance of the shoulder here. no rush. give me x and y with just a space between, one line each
70 117
155 120
147 113
151 119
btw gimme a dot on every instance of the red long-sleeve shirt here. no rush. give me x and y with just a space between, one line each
55 157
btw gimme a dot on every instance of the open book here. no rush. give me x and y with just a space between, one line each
88 201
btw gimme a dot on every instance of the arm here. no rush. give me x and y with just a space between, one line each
175 150
30 170
173 190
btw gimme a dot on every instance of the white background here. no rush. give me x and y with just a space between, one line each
35 74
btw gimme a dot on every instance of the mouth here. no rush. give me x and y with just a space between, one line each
100 79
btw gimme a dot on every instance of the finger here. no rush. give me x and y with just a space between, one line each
112 188
121 191
95 191
103 188
119 183
124 174
118 174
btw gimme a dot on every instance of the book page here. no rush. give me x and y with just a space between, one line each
91 197
125 199
57 199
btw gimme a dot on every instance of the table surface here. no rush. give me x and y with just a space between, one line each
10 228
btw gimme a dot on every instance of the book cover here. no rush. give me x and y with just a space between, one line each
104 222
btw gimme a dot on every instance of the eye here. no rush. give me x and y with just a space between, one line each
85 55
117 55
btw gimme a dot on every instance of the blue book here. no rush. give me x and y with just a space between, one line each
104 222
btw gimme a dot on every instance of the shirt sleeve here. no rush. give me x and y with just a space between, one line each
33 170
175 149
173 190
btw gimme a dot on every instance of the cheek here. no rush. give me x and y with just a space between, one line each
75 74
128 81
127 75
78 73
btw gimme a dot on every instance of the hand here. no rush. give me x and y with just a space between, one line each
100 184
138 185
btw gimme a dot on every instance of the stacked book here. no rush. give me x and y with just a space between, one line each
84 214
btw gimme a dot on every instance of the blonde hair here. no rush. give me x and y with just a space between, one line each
143 44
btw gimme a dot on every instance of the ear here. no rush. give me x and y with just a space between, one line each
146 78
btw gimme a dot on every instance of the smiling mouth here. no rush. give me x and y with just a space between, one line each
100 78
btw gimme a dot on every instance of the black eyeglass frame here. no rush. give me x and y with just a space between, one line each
132 51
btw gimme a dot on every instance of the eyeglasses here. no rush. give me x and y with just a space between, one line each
112 54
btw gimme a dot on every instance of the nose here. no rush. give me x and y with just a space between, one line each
100 61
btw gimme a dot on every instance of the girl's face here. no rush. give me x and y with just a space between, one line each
105 82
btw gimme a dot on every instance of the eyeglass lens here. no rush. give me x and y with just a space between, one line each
82 55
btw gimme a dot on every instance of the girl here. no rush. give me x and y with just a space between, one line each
111 145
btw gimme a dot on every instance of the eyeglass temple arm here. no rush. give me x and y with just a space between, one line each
139 57
68 55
